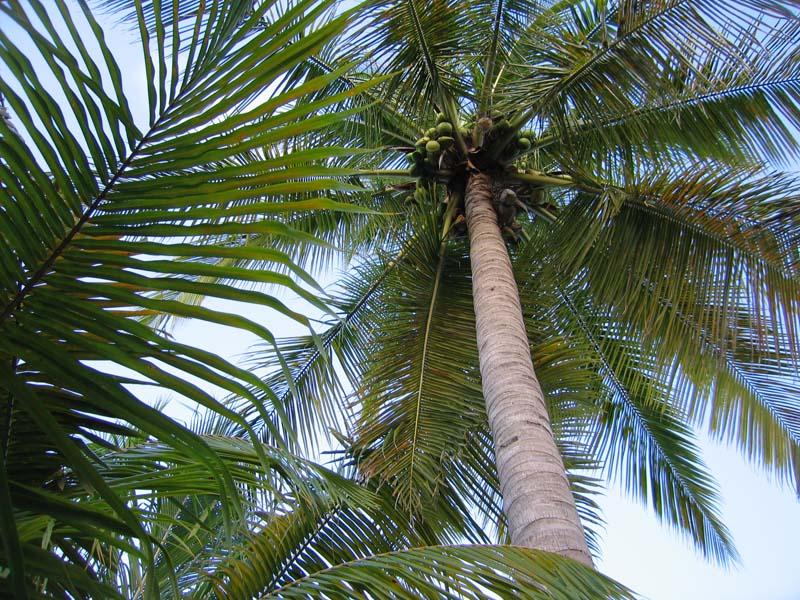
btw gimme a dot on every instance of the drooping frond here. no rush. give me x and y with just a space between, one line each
684 288
419 396
309 536
326 366
98 217
645 443
704 78
181 508
622 414
705 267
454 572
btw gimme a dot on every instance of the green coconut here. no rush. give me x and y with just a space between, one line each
432 147
444 128
446 141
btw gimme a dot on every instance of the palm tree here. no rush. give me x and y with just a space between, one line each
648 266
109 227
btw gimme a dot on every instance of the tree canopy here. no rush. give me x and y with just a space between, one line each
658 271
656 262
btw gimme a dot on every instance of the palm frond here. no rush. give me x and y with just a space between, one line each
181 507
420 396
417 39
458 572
650 449
707 273
688 294
627 400
90 211
324 367
705 78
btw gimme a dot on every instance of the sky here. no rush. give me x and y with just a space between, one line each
764 518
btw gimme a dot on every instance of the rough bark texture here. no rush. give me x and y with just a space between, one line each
537 500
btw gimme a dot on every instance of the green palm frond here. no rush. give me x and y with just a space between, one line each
324 367
183 509
682 77
372 224
311 403
443 60
306 524
705 267
647 445
381 123
374 219
458 572
509 20
625 403
342 355
102 221
312 534
416 39
358 544
421 394
687 291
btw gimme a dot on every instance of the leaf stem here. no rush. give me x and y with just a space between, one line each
20 296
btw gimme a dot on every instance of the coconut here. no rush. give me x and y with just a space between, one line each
432 147
446 141
444 129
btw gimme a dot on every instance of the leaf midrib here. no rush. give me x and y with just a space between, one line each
20 296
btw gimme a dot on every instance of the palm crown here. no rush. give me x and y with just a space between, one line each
656 267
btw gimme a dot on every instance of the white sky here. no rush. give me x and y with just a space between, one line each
764 519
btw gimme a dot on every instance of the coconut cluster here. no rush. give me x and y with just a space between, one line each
490 141
437 147
490 132
429 148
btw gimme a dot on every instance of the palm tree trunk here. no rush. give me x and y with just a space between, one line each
537 499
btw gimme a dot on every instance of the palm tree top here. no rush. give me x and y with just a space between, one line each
656 231
654 249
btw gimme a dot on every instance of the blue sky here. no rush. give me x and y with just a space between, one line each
764 518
